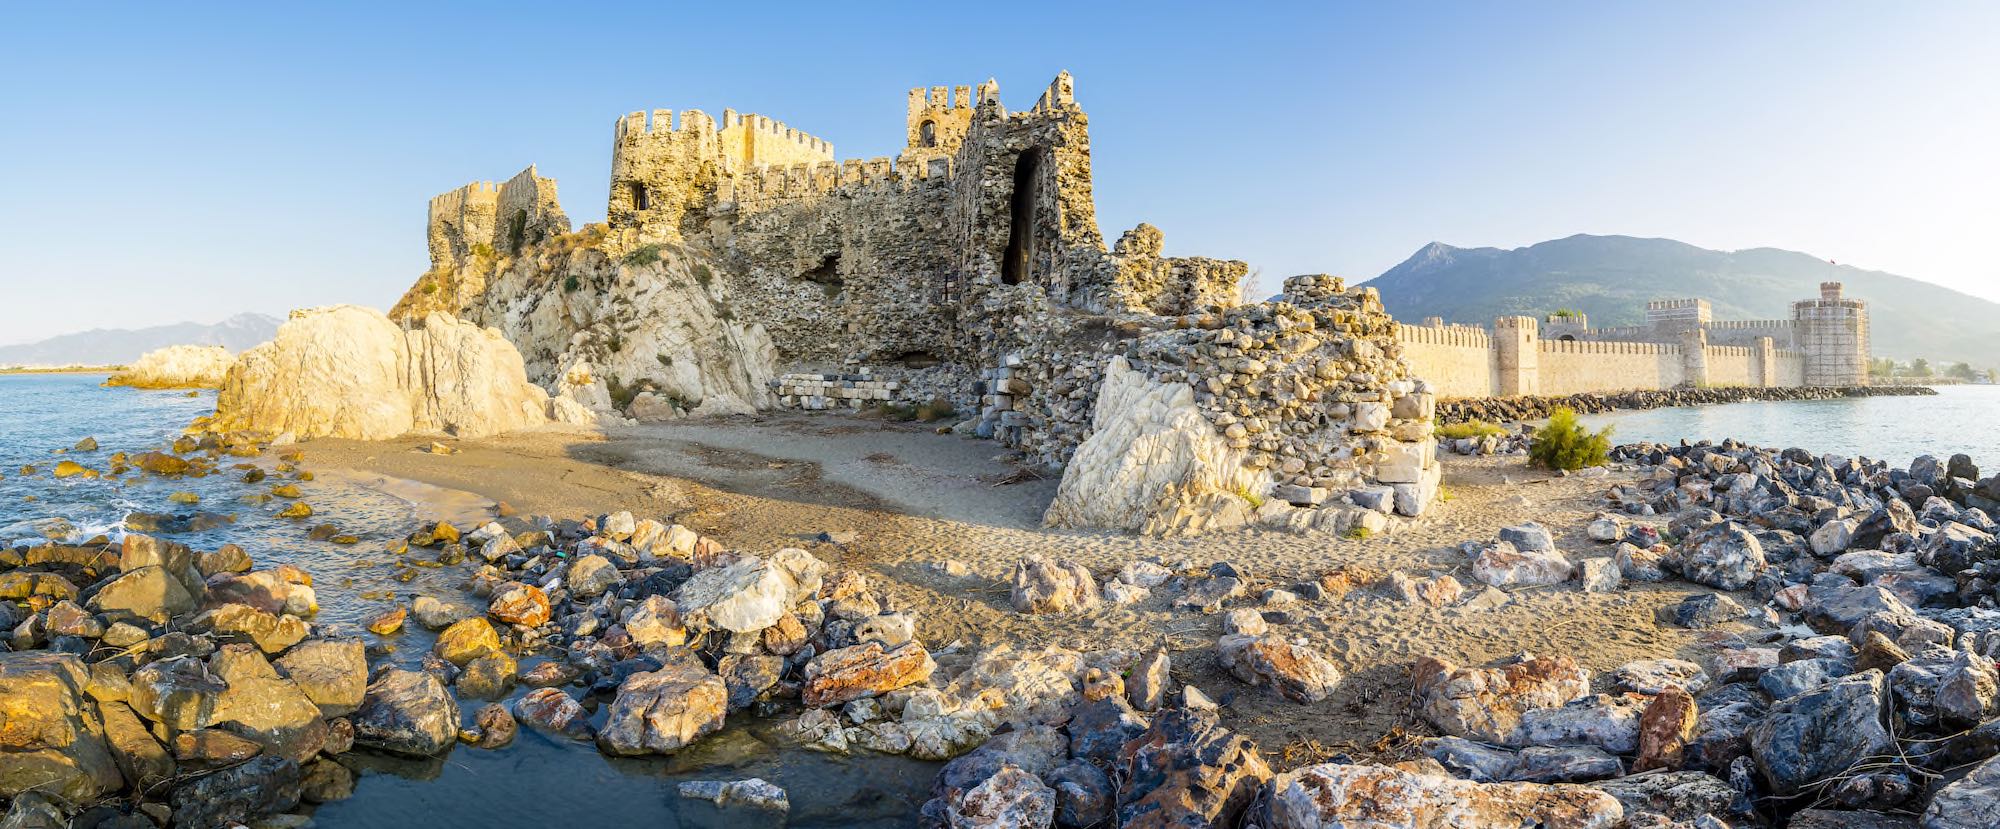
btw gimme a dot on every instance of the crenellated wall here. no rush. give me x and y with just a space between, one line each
1457 361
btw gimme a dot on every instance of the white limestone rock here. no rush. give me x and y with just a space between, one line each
176 367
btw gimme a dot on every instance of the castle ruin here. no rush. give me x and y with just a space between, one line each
743 266
1825 343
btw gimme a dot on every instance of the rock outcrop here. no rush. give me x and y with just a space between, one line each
176 367
346 371
1150 456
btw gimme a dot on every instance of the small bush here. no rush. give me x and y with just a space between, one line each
643 255
430 287
570 284
1471 429
482 250
703 275
1565 444
937 409
1359 533
622 395
664 360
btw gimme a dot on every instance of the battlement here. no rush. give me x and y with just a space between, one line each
1829 291
1060 94
1750 324
1527 324
1604 347
749 140
660 123
1468 336
1666 304
938 120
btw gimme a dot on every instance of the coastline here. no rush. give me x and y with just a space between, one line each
61 370
1539 407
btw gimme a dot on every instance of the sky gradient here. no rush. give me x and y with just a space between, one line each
189 162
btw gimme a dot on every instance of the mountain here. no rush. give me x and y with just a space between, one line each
1611 278
118 346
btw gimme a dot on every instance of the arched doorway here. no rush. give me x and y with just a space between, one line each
1014 267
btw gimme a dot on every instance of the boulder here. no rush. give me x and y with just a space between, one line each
333 673
1009 799
1153 462
1044 586
1815 736
1501 564
51 737
1489 704
663 711
264 707
1665 729
466 640
591 575
515 603
148 593
270 633
1529 538
141 759
655 621
1148 684
1727 557
1296 672
864 670
755 792
266 785
407 712
553 711
178 692
1652 676
348 371
282 589
749 594
1187 770
1337 795
1970 802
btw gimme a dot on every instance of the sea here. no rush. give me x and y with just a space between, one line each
539 779
1958 419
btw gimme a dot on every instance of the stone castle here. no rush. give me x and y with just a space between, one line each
742 267
1825 343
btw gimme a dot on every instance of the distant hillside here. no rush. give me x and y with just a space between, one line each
1611 278
103 347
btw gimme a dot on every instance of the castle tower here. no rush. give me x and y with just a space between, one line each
1570 325
750 140
1517 347
659 173
1833 332
937 121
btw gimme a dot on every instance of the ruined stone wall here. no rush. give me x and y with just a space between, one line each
937 122
459 220
1147 281
660 172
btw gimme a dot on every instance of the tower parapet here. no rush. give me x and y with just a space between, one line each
481 218
659 171
1833 333
937 121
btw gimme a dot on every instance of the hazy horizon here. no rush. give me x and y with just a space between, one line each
193 164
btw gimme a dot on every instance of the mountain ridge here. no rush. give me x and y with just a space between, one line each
118 346
1611 278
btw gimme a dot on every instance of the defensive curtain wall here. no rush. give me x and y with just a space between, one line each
1824 344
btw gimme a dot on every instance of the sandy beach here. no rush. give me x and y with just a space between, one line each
916 499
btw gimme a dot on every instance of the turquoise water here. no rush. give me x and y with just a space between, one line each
1896 429
537 780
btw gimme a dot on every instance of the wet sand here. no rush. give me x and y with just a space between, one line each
916 498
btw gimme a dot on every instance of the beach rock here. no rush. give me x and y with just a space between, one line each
1968 691
1187 770
1011 798
1296 672
1640 563
270 633
1489 703
178 692
466 640
210 748
1600 575
148 593
1147 685
142 761
591 575
492 727
265 785
1084 796
1501 564
755 793
1703 610
279 590
1529 538
1605 528
1833 537
387 622
438 615
333 673
663 711
656 621
1665 729
553 711
1153 463
228 558
1142 573
1100 727
51 736
1676 799
348 371
1337 795
1726 557
1820 734
515 603
491 676
748 677
1044 586
1971 802
407 712
1800 675
1608 721
264 707
324 781
750 594
22 585
864 670
1652 676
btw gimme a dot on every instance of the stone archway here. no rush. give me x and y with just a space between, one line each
1021 215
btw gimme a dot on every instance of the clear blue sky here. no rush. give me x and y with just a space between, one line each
189 161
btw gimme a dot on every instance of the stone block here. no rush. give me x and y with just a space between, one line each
1404 463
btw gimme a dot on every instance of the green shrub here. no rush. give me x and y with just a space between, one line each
937 409
664 360
643 255
482 250
702 274
1565 444
1471 429
570 284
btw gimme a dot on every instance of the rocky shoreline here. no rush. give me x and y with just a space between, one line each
1846 671
1511 409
